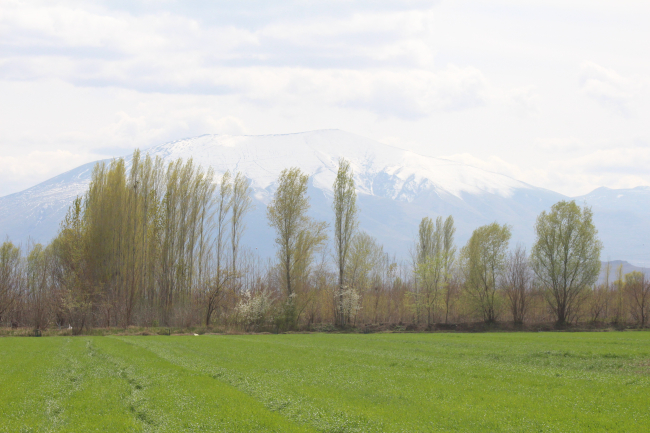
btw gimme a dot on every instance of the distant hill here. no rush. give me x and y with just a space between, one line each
613 269
622 217
396 189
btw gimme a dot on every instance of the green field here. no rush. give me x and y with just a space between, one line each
328 382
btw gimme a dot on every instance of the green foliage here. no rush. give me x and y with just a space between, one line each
10 276
434 255
566 256
140 244
485 257
154 243
242 203
346 223
38 276
298 235
575 382
365 262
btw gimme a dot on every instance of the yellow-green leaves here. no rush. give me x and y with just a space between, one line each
484 259
297 235
566 256
344 206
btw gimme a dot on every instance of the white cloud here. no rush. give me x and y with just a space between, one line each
613 162
229 125
403 36
524 100
408 94
548 92
32 167
561 145
149 126
606 86
616 167
175 54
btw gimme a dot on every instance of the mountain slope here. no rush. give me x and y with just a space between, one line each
36 212
622 217
396 188
380 170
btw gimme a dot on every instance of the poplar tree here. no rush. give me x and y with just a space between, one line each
242 203
365 255
434 256
297 235
140 238
345 226
72 261
221 274
10 276
366 264
38 290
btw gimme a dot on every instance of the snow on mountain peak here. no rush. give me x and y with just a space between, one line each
397 188
379 169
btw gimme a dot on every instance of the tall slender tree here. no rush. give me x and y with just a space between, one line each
297 235
221 276
434 256
11 277
345 226
242 203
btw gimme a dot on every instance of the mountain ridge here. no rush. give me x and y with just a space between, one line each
396 188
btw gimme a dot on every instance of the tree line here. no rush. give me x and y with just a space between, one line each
155 244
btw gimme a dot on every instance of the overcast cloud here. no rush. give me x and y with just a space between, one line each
555 93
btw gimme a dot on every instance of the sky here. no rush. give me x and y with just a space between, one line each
553 93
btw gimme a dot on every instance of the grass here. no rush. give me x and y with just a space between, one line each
131 330
328 382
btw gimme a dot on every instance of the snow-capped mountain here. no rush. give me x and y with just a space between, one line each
396 189
380 170
36 213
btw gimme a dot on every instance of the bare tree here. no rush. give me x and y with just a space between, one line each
637 287
453 288
517 280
